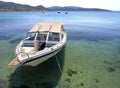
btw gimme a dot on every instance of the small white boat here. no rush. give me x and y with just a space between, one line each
43 41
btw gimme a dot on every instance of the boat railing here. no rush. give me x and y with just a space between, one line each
23 53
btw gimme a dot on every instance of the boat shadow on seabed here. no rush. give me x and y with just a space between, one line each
44 75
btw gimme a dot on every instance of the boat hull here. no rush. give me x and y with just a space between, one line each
35 49
40 59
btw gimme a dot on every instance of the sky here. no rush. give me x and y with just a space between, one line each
103 4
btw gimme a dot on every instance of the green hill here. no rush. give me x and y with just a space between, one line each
10 6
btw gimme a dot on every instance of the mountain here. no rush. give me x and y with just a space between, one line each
66 8
10 6
73 8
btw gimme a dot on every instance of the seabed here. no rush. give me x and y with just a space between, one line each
85 64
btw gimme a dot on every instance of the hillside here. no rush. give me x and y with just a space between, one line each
74 8
10 6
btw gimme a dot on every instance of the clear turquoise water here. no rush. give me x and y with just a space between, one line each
90 59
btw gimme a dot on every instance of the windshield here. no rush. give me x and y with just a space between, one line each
31 36
54 37
41 37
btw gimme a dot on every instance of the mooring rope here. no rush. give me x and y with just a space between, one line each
58 64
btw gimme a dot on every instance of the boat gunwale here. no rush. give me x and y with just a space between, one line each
39 54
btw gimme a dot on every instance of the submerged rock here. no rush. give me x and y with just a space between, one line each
68 80
110 69
71 72
81 84
81 72
96 80
114 64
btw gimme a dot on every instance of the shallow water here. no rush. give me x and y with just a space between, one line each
90 58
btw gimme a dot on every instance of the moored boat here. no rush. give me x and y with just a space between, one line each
43 41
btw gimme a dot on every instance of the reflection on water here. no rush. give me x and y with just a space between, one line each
45 75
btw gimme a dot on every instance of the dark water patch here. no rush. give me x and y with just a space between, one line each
82 84
15 40
91 36
81 72
112 65
75 62
71 72
22 86
8 35
5 36
68 80
110 69
25 86
96 80
44 85
2 37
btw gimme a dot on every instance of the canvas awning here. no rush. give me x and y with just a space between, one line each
47 26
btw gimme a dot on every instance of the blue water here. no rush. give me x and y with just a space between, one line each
79 25
91 58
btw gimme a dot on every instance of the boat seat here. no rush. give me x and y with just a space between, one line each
31 50
39 45
36 46
28 44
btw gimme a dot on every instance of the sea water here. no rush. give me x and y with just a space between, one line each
90 58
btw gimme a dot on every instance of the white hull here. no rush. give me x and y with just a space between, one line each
40 60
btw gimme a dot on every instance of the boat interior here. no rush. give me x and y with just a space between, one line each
36 41
33 42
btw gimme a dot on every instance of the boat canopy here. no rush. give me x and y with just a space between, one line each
47 26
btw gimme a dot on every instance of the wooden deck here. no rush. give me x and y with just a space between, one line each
14 63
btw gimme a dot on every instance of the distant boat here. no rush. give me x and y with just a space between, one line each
66 12
43 41
58 12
